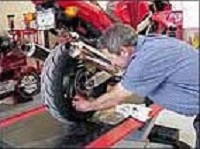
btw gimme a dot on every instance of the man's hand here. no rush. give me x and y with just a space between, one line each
81 104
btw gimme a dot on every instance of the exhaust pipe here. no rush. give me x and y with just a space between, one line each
35 51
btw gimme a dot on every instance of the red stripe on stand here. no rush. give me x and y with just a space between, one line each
116 134
18 117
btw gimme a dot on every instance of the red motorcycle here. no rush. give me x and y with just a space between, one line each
65 74
16 77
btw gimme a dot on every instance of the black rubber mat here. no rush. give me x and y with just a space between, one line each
42 131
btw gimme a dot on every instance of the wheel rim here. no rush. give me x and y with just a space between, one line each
81 78
29 85
70 89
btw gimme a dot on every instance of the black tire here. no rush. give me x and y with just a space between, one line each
58 66
21 90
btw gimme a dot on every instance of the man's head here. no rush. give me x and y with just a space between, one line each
118 42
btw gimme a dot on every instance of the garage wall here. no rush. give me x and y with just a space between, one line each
190 20
18 8
190 12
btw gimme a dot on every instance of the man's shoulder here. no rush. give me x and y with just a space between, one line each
159 48
158 38
160 42
153 43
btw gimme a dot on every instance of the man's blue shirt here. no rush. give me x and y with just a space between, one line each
167 71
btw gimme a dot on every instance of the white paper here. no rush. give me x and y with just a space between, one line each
138 112
45 19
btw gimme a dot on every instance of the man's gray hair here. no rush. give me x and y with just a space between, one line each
116 36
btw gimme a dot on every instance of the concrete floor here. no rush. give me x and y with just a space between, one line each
8 110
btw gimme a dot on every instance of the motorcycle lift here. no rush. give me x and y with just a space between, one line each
35 128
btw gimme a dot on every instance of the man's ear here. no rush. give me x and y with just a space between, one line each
125 51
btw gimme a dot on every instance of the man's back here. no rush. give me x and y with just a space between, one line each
167 71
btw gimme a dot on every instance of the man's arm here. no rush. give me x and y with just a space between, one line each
116 96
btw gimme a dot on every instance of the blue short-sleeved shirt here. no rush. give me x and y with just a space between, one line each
167 71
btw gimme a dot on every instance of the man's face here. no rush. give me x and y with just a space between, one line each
121 59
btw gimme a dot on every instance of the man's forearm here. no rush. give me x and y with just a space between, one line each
105 101
110 99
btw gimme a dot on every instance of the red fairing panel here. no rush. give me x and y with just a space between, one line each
90 12
131 12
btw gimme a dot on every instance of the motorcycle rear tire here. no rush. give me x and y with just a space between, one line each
57 66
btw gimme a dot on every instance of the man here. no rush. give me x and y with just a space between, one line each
161 68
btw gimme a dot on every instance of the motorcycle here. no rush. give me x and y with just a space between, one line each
77 66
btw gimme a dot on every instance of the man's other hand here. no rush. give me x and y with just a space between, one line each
81 104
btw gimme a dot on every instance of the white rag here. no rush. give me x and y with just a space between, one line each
139 112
